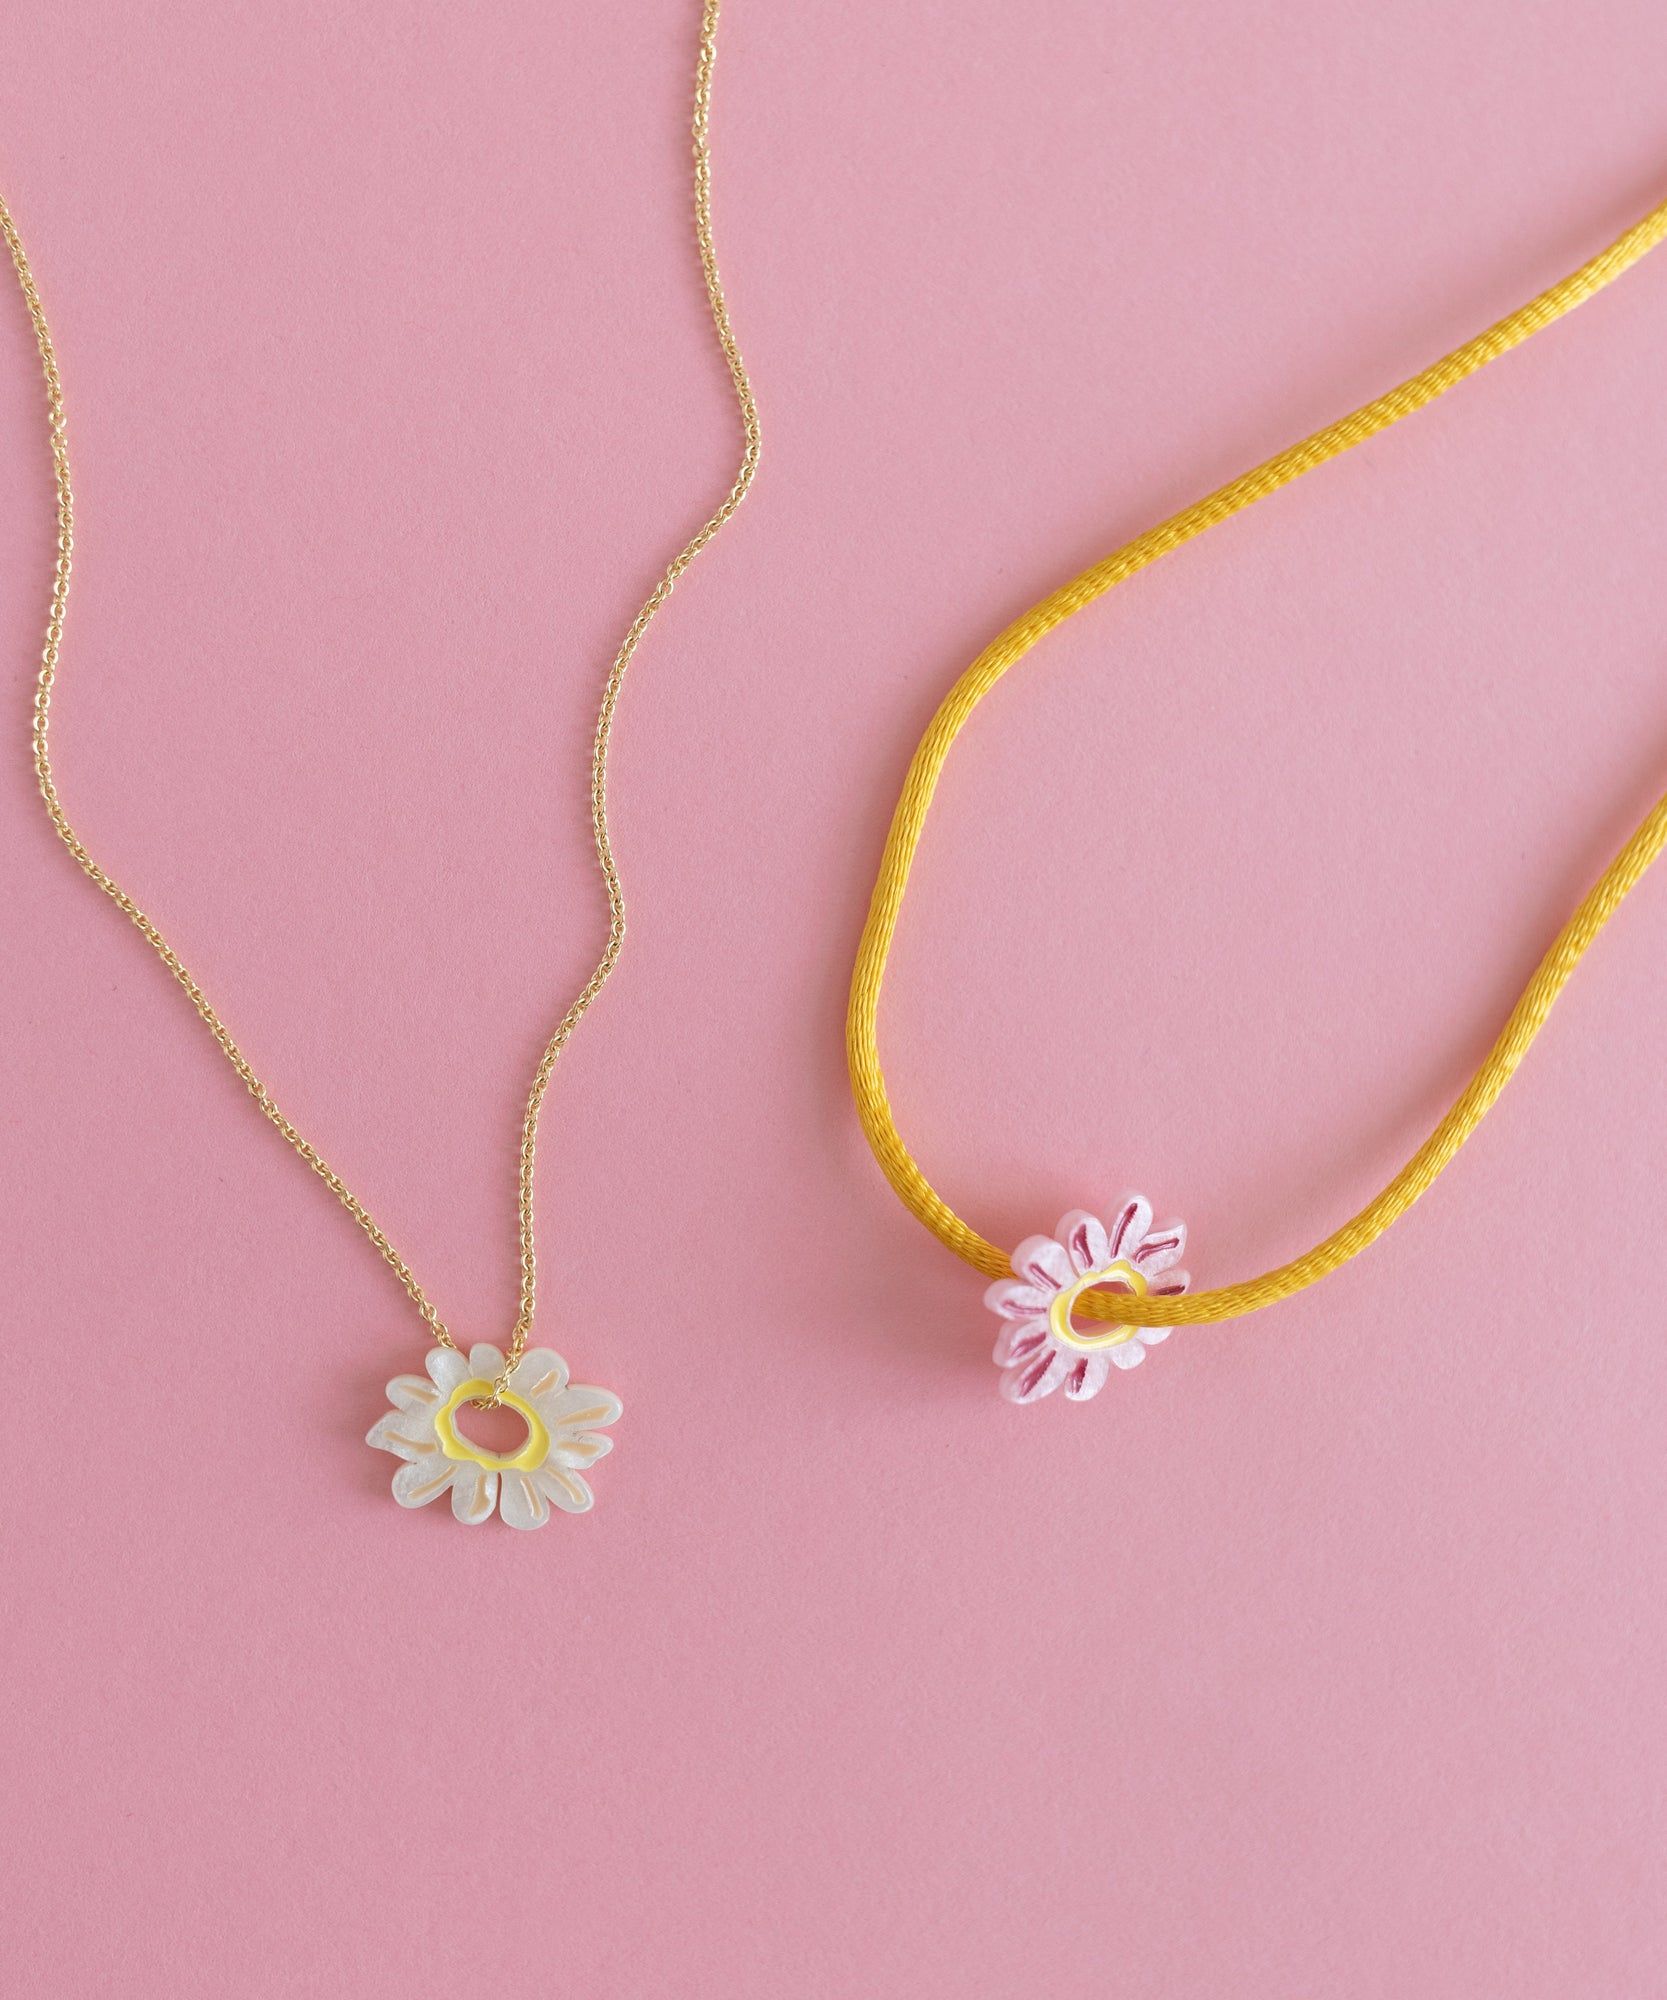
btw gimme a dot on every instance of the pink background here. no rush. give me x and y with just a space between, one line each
1321 1657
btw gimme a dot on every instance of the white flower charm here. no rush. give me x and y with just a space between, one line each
563 1425
1038 1349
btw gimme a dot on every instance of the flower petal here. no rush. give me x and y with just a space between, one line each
1127 1354
1012 1300
542 1372
1171 1286
1129 1226
1037 1378
1154 1336
446 1368
474 1494
567 1489
486 1362
1014 1343
1039 1260
1161 1249
1085 1240
522 1504
579 1408
414 1392
1088 1378
415 1485
580 1447
408 1434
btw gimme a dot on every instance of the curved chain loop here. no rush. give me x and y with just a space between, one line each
47 678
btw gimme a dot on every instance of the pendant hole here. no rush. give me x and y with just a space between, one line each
1108 1288
501 1432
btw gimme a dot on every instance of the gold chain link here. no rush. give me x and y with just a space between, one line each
47 678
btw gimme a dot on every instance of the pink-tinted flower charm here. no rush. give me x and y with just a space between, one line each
1039 1348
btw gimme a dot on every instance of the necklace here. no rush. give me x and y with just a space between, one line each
1123 1277
566 1423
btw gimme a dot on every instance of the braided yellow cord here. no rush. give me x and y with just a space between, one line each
1527 1017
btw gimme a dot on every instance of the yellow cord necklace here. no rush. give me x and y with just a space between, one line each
1121 1274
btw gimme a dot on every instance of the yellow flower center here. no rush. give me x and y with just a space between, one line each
1063 1303
535 1447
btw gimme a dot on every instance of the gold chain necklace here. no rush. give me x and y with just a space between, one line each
563 1421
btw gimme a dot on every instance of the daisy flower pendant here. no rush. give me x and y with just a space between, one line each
1038 1349
564 1421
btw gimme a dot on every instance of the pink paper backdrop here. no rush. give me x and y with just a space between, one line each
1323 1656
